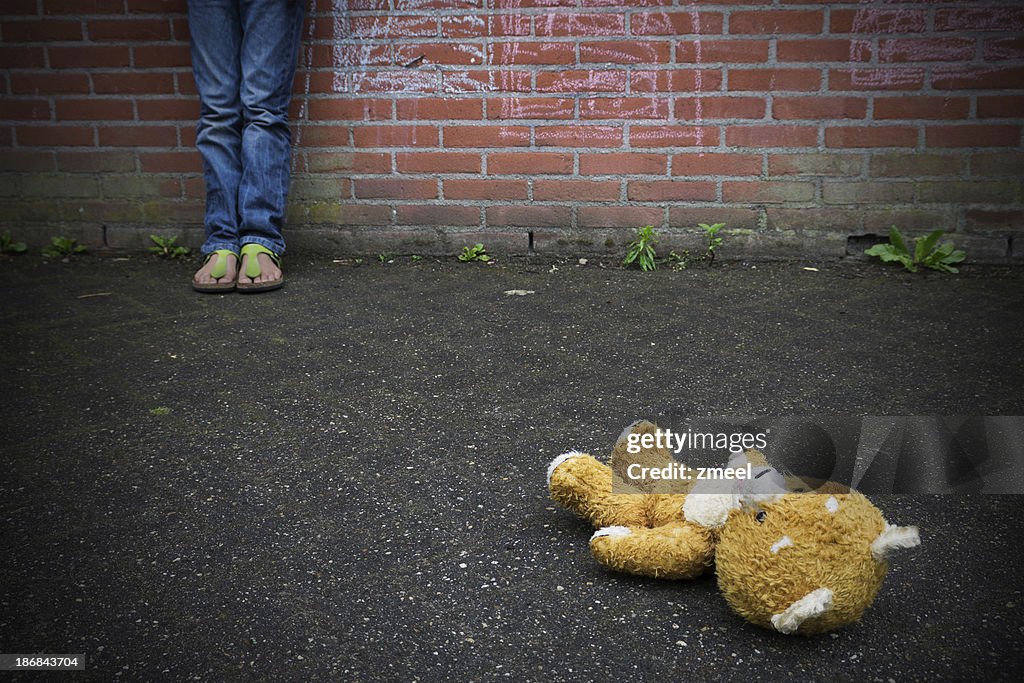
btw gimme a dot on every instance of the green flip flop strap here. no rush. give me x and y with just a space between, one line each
220 267
252 265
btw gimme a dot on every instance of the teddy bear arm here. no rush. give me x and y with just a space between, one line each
583 485
679 550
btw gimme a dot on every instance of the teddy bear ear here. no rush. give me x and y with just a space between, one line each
766 484
814 604
893 538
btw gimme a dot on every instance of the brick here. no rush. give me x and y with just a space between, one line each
671 191
529 108
406 81
170 109
523 52
486 136
54 136
580 24
40 31
54 186
917 165
94 162
48 83
776 22
490 189
528 216
819 107
35 212
439 53
972 135
1004 163
395 136
980 19
870 136
826 164
22 57
623 163
21 7
138 136
1000 106
437 109
88 56
348 162
921 107
23 162
93 109
673 136
676 80
774 135
867 192
731 107
823 50
968 77
870 78
623 108
135 30
139 186
926 49
1010 47
321 188
154 6
581 81
579 136
733 217
675 23
619 216
57 7
626 52
485 81
576 190
716 164
874 20
531 163
116 83
966 191
395 188
767 191
338 214
391 26
737 51
171 162
350 54
24 110
761 80
988 220
337 109
437 162
164 56
779 218
437 214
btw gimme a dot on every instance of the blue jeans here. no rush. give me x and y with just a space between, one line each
244 54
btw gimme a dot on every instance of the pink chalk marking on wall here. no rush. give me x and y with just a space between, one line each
698 56
871 20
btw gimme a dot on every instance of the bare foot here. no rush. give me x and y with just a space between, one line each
204 275
268 270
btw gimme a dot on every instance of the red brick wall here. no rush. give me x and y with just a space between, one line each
556 125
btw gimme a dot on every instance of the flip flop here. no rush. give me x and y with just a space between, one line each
253 270
220 269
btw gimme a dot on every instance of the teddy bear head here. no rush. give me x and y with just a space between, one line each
799 562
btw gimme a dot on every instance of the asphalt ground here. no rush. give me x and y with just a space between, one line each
345 479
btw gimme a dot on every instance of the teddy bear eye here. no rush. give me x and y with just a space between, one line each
761 516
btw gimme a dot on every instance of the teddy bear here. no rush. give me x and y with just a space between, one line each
795 556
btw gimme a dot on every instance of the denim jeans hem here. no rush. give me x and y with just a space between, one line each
276 247
211 247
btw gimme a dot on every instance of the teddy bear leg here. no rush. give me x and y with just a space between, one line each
680 550
580 483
